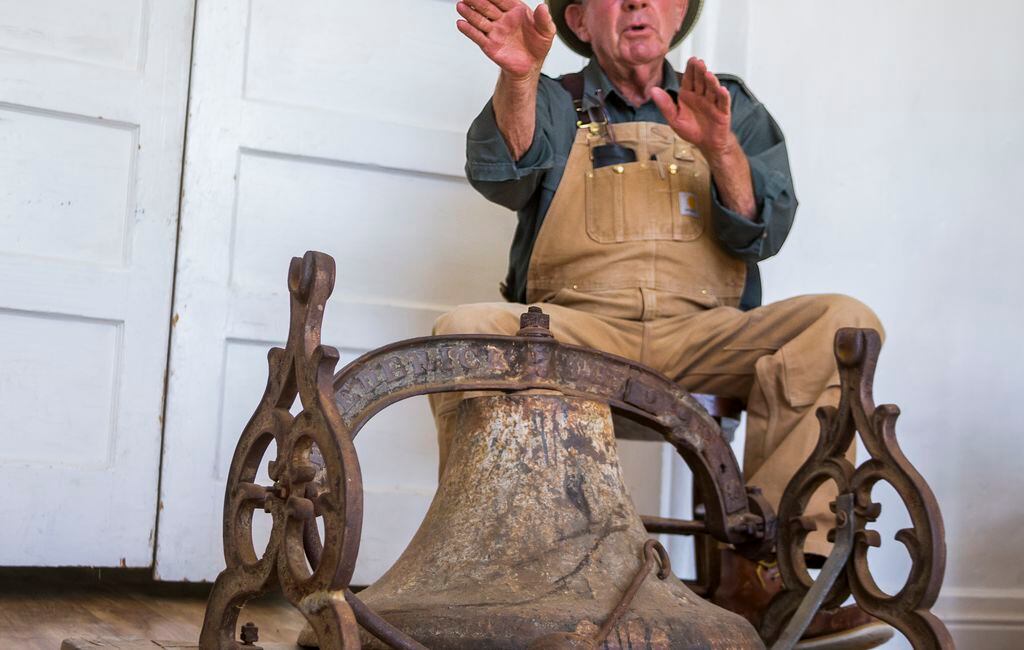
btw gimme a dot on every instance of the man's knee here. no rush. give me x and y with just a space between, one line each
844 311
480 318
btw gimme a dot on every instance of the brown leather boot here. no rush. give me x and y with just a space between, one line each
747 588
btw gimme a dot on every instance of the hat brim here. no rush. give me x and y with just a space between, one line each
583 49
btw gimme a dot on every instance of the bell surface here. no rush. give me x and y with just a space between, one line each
532 532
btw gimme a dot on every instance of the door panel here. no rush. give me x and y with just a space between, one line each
91 135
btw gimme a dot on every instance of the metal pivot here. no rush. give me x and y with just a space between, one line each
809 606
909 610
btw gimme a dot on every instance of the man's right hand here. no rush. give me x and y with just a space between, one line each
511 35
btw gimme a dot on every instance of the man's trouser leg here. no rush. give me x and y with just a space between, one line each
780 359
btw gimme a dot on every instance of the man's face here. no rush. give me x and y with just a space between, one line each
629 32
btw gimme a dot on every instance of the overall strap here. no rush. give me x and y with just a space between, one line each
573 84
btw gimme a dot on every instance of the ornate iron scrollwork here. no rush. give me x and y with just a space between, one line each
908 610
304 369
316 470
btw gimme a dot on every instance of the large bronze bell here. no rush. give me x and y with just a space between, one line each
532 532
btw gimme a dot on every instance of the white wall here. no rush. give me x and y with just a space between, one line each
904 126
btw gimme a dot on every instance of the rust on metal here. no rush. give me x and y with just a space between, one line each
316 475
313 572
668 526
801 619
303 369
250 635
531 532
654 553
511 364
909 610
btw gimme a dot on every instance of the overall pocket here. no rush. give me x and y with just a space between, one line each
691 193
666 200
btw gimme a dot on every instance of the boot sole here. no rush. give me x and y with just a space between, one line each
864 637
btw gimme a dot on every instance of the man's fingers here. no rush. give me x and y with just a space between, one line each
700 82
688 74
473 17
723 100
507 5
485 8
664 103
714 93
711 85
472 33
542 19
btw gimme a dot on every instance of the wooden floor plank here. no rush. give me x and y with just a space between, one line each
41 612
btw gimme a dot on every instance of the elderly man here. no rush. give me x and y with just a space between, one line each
645 201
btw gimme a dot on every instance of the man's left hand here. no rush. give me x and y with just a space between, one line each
703 117
703 114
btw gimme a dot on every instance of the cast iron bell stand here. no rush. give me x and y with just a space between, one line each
315 576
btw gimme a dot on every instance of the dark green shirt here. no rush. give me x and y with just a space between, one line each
529 184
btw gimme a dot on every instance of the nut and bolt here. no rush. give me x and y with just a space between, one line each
250 634
535 323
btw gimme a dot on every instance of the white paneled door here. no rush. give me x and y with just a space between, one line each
92 112
336 126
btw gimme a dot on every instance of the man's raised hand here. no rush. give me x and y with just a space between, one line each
509 33
703 114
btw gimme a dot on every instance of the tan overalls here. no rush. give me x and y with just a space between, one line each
626 262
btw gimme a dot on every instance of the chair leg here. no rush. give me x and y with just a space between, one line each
708 558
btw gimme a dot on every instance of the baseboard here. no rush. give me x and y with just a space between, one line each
983 619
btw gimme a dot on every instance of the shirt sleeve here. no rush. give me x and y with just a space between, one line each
775 196
489 164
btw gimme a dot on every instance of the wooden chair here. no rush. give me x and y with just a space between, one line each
727 412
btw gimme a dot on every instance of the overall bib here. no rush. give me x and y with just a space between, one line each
636 231
627 262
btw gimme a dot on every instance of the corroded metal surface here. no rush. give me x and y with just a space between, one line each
531 532
316 473
501 363
304 369
908 610
654 553
846 525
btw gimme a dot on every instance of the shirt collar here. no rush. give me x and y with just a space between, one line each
595 79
